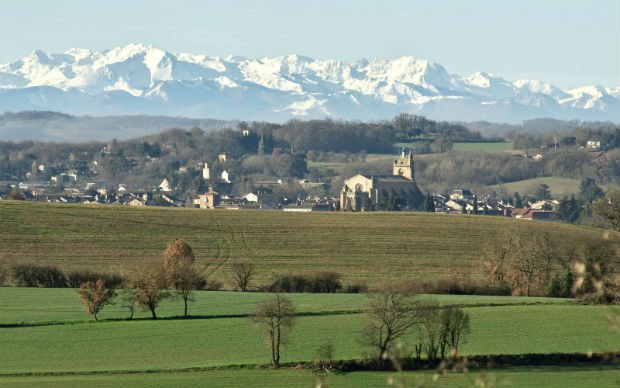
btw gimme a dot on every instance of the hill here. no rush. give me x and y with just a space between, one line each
363 247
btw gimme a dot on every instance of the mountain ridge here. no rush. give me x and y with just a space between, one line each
141 79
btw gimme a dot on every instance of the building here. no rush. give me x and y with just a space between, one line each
389 192
223 157
461 195
209 200
165 185
593 145
226 176
206 171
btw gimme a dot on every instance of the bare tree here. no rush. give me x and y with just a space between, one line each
609 208
243 274
187 280
95 295
149 282
391 314
495 259
456 327
128 301
525 259
276 316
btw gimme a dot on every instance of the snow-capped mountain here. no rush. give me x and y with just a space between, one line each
147 80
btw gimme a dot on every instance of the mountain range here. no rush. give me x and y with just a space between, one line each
139 79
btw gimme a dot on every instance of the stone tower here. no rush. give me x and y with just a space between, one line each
403 166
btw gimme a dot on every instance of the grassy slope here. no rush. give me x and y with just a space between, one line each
364 247
514 377
558 186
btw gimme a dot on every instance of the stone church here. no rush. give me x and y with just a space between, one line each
384 192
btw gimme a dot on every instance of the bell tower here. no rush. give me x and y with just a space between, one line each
403 166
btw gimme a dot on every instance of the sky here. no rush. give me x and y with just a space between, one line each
568 43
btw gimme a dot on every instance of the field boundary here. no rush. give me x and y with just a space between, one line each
478 362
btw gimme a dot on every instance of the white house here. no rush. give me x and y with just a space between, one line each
593 145
206 172
251 198
165 185
226 176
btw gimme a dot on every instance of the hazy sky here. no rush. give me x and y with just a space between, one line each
565 42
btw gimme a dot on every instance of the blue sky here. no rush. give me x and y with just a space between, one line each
565 42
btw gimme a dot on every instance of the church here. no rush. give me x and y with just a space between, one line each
384 192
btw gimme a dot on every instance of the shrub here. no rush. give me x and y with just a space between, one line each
324 282
76 278
32 275
455 286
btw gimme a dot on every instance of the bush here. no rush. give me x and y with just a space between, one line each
454 286
76 278
324 282
32 275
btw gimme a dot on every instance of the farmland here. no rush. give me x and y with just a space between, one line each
364 247
204 349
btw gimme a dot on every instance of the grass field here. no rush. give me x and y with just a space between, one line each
482 147
364 247
558 186
519 325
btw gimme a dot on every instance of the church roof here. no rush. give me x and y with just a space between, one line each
390 178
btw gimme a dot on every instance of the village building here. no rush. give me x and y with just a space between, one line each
165 185
209 200
206 172
399 190
226 176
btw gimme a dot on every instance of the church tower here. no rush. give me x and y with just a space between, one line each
403 166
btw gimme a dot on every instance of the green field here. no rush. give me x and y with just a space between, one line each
176 351
363 247
482 147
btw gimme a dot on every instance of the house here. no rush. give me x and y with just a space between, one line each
362 192
64 179
223 157
531 214
227 176
209 200
593 145
251 198
461 195
165 185
206 172
537 157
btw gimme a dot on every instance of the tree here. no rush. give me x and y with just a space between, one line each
589 191
176 253
128 301
609 208
95 295
149 282
181 270
276 316
543 192
456 327
569 210
391 314
243 273
525 259
518 202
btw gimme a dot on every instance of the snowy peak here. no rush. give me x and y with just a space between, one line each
138 78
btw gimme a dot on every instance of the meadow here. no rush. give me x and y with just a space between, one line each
222 347
365 248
